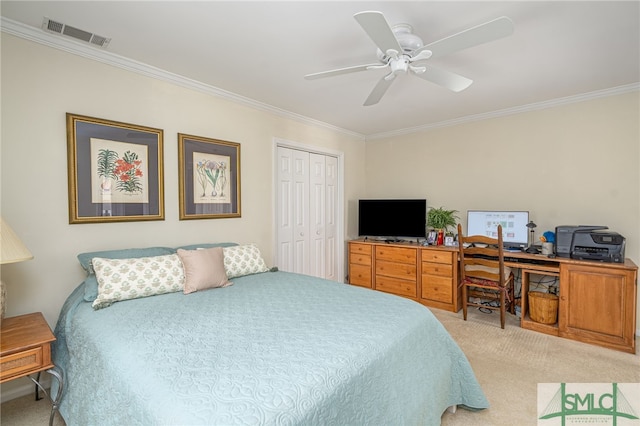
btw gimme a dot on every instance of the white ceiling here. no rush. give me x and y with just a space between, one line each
260 51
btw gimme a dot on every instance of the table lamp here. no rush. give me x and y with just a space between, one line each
530 246
12 250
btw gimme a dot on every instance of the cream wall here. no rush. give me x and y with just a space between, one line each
568 165
41 84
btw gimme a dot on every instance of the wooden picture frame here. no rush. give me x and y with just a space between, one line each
115 171
209 178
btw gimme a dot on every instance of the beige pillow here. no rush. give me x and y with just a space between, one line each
203 269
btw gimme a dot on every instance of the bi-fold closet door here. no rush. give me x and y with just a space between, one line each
306 212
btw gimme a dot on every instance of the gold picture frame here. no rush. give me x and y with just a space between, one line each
209 178
115 171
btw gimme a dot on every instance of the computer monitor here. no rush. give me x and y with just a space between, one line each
514 226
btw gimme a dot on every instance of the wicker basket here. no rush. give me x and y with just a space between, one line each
543 307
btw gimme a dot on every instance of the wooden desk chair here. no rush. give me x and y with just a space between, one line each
483 274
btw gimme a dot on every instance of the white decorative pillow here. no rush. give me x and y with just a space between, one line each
123 279
243 260
203 269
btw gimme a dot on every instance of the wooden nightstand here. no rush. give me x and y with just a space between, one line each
25 349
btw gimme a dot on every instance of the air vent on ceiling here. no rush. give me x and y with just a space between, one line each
78 34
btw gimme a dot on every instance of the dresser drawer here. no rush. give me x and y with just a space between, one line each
396 286
439 269
437 256
21 362
360 275
358 248
360 259
398 270
396 254
437 288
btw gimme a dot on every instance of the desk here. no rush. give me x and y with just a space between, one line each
597 300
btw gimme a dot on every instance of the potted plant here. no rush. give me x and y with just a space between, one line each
440 219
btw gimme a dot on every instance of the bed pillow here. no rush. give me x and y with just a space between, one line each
203 269
243 260
124 279
91 283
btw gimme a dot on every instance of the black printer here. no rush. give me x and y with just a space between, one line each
590 243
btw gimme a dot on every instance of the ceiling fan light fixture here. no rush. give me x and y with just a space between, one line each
399 65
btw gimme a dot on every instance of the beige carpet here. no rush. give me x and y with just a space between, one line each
509 364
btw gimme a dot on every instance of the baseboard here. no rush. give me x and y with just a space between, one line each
13 390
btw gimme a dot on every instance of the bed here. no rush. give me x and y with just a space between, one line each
273 348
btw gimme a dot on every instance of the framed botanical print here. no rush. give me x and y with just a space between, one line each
115 171
209 178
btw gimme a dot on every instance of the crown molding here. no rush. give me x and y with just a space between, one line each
40 36
90 52
634 87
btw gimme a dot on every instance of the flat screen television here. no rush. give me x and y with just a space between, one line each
514 226
392 218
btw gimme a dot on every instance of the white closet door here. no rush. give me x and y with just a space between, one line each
306 213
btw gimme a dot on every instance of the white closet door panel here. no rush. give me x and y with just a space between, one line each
330 225
284 210
317 208
301 254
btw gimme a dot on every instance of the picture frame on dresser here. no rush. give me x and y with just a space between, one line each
209 178
115 171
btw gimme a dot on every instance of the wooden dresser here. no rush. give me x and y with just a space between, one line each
428 275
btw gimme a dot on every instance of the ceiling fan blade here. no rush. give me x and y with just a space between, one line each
422 55
381 88
483 33
447 79
378 29
340 71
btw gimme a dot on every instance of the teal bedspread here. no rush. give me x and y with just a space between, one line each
273 349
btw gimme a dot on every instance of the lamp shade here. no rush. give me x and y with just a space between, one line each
12 249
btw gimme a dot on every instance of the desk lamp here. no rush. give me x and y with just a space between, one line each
12 250
530 247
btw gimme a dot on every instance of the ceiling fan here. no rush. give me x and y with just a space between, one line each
403 51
